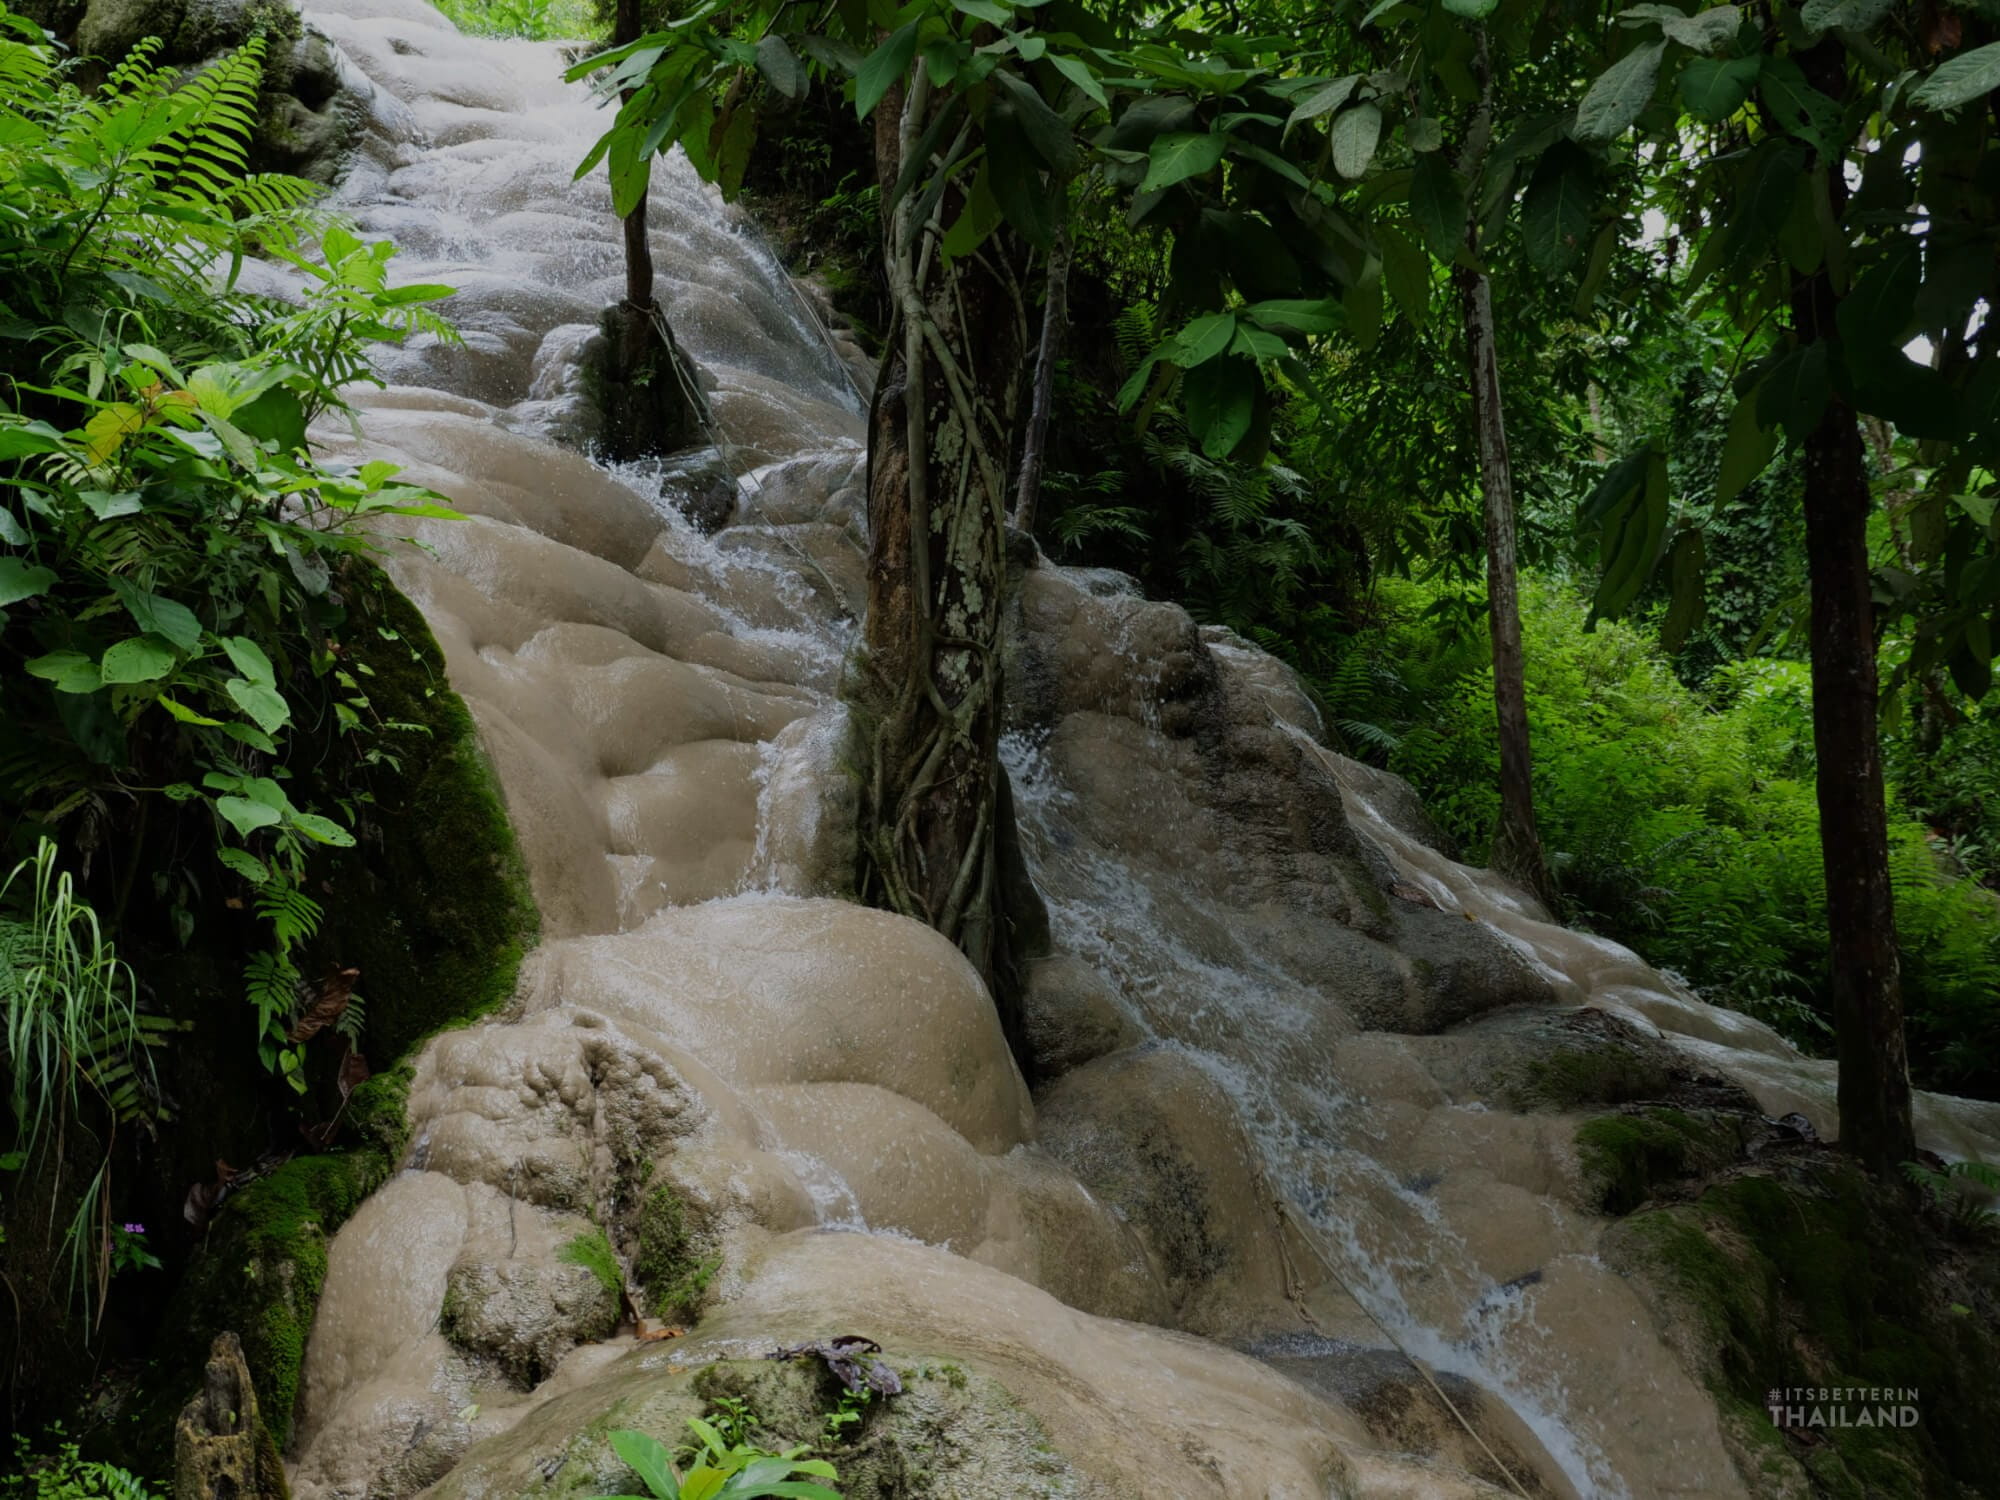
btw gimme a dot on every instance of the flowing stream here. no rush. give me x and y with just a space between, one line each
1306 1018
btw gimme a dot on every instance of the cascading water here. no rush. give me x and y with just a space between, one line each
1294 986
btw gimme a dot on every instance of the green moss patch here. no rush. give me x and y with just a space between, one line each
433 907
1627 1155
669 1262
1805 1273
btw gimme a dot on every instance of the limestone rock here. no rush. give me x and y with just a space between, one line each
1073 1015
221 1449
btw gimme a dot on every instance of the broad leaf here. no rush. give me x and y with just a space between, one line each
70 671
1437 206
1746 450
141 659
1472 10
1972 75
1687 605
1355 134
1078 72
884 69
1555 214
1715 88
781 66
1797 107
263 703
1407 270
1014 173
1046 130
1849 15
1321 316
1323 100
1203 339
1706 31
1620 94
1875 316
1221 402
159 616
1795 392
250 660
322 830
648 1458
20 580
1177 157
246 816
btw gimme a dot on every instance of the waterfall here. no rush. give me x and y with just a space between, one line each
1273 942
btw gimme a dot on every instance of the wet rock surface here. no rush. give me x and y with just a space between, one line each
1284 1049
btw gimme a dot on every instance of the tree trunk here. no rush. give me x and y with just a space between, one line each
643 381
927 699
1517 843
1055 320
1875 1108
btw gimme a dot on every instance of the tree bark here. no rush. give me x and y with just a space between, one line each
927 699
1875 1118
1055 322
647 412
1517 842
1876 1126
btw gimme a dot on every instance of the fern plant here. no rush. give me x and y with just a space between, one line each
175 566
71 1035
1963 1191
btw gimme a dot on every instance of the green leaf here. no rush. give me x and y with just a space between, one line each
1795 392
1472 10
245 816
1363 306
1875 315
1555 213
322 830
648 1458
1323 315
1846 15
1917 400
1355 134
1177 157
263 703
158 616
70 671
19 439
250 659
984 10
1715 88
1630 542
1323 100
20 580
1687 605
140 659
781 66
1798 108
1706 31
1745 451
1014 172
1221 401
277 417
1078 72
1620 94
185 714
1619 484
1203 339
107 506
1971 75
244 863
884 69
1047 131
1437 206
1407 270
979 217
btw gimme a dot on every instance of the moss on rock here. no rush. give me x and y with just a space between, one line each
669 1262
1625 1156
1802 1272
433 906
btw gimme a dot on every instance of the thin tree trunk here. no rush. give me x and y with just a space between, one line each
1517 843
1055 321
1874 1092
1875 1120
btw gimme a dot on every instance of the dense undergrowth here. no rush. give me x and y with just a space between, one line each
214 709
1680 820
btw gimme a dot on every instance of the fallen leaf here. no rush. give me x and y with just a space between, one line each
324 1004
